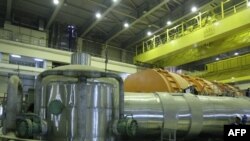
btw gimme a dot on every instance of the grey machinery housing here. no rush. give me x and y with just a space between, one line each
82 103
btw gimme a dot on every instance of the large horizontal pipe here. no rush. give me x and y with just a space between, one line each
186 114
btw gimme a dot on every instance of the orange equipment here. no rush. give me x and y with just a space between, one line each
158 80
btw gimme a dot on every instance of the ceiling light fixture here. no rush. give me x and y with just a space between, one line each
236 53
149 33
217 59
98 15
126 25
15 56
56 2
194 9
169 22
38 60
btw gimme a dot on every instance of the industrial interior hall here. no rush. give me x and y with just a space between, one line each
123 70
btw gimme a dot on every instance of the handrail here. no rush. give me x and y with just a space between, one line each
188 26
23 38
28 39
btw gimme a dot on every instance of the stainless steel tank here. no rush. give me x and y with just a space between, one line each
78 103
79 111
183 115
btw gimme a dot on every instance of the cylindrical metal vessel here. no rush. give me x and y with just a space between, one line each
78 111
81 59
187 115
79 103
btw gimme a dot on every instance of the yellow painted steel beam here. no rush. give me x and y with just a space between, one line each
229 76
237 79
225 27
198 52
231 63
231 70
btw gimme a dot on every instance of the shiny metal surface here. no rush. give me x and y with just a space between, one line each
188 114
90 108
13 105
81 59
92 99
87 111
78 72
1 111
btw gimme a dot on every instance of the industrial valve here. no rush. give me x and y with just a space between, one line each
29 125
125 127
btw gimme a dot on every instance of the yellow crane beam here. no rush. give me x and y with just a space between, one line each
230 70
229 76
223 28
230 43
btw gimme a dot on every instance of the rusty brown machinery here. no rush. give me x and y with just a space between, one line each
158 80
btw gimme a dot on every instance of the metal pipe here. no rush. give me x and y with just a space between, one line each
185 115
84 72
1 113
81 58
84 99
13 104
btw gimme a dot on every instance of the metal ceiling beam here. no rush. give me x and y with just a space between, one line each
133 4
168 8
116 17
79 8
55 13
163 9
176 1
127 7
101 30
99 4
121 13
140 37
131 32
116 11
134 18
9 9
139 19
92 25
171 4
154 16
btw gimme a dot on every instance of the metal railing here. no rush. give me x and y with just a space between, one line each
19 37
27 39
187 27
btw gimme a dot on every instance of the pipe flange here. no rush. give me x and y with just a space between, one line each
55 107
